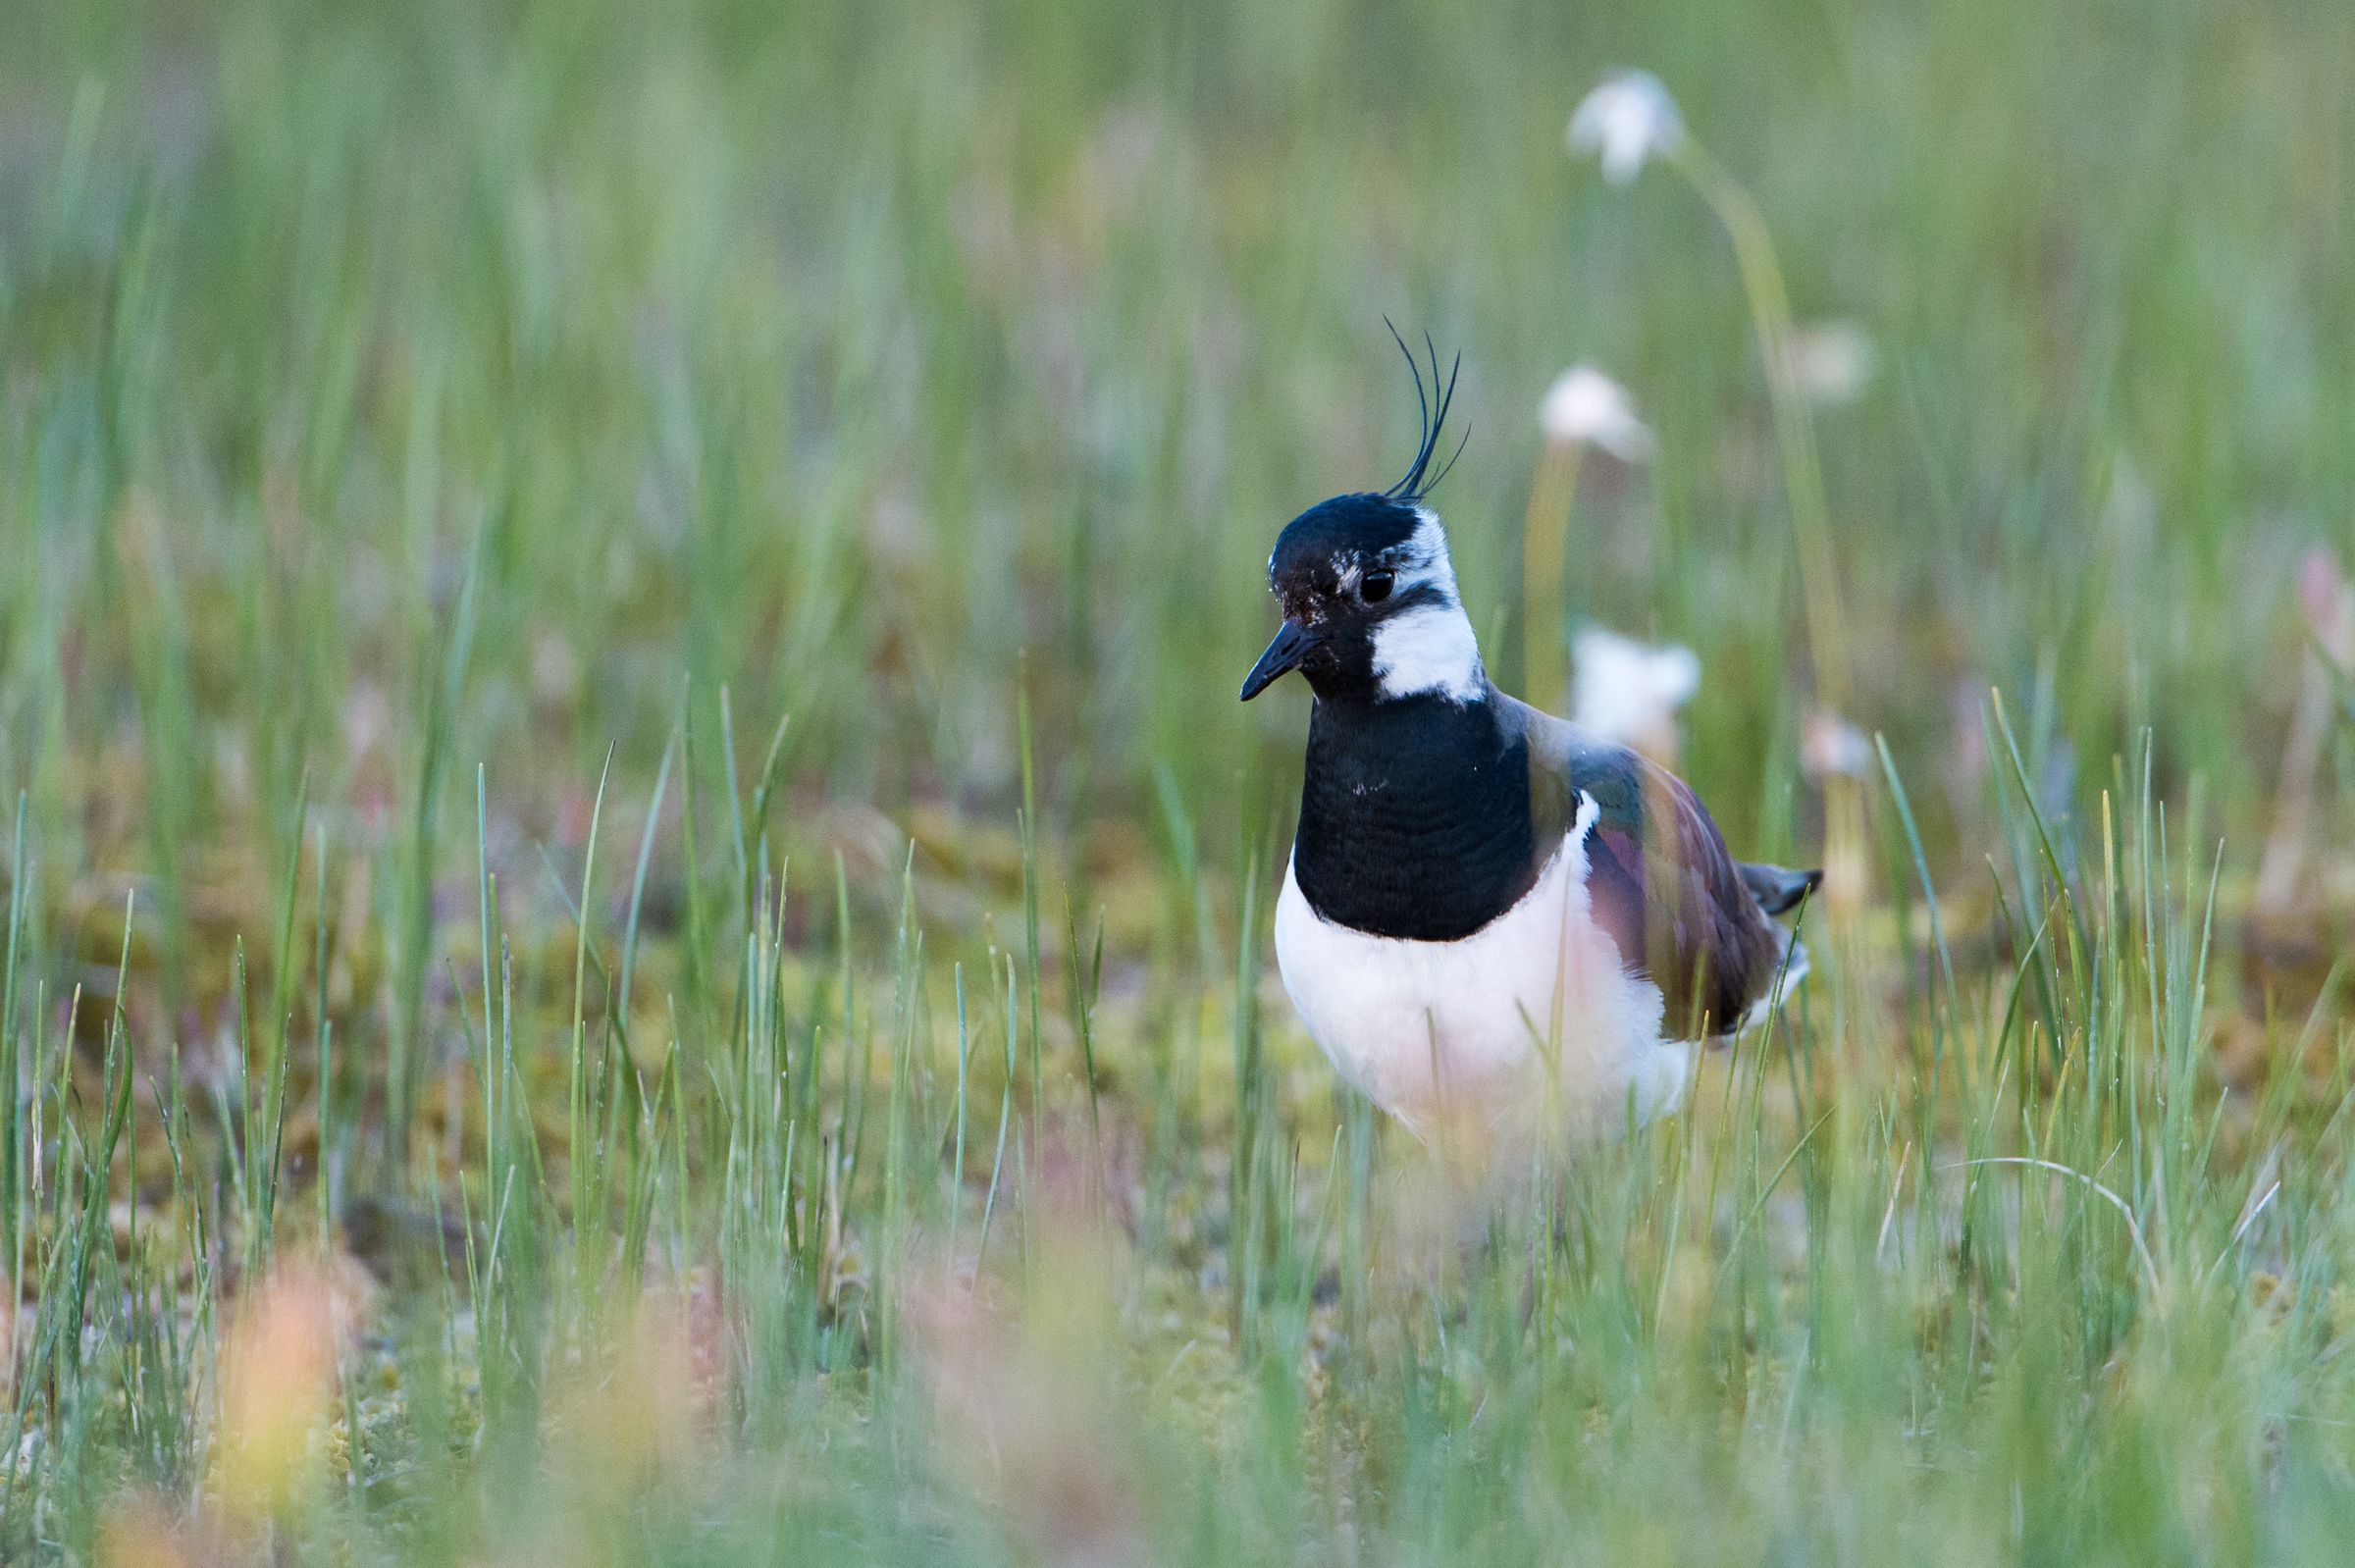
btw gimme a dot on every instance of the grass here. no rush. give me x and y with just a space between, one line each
637 896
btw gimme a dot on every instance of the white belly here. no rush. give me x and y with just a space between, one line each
1536 1008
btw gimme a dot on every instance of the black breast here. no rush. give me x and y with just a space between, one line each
1415 818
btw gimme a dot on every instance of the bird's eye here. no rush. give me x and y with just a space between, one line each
1376 586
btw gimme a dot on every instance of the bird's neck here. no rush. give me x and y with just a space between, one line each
1414 816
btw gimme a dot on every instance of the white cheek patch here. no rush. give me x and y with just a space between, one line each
1427 563
1430 647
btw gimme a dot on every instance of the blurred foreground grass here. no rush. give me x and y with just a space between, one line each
439 446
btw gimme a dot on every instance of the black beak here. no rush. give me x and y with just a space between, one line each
1291 647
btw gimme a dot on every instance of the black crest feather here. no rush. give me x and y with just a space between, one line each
1432 408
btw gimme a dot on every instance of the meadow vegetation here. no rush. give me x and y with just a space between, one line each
637 898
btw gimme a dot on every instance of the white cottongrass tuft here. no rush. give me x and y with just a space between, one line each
1584 407
1626 120
1832 362
1629 691
1830 747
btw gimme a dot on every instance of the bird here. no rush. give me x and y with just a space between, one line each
1488 911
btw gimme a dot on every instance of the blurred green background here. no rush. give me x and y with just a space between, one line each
390 391
863 358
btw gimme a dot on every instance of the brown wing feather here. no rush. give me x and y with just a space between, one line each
1660 877
1709 943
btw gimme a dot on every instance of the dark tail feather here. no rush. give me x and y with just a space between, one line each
1777 890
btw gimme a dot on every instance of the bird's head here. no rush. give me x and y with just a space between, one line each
1370 606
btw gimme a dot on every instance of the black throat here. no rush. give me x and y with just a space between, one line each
1414 818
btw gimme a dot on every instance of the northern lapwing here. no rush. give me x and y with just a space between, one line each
1486 904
